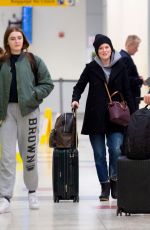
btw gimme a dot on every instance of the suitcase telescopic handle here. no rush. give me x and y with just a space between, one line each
74 110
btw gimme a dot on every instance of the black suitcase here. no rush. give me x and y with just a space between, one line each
65 174
133 186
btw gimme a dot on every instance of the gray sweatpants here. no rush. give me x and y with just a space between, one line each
26 131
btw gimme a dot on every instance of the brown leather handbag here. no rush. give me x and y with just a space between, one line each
119 112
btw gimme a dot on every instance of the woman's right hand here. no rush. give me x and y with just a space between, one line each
75 105
147 99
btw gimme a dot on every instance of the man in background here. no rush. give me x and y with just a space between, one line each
136 81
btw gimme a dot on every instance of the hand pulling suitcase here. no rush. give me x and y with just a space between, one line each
65 175
133 186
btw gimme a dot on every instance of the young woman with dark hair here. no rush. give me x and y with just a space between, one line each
20 98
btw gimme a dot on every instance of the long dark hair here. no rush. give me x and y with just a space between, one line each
8 31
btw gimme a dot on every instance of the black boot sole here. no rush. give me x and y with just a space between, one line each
104 198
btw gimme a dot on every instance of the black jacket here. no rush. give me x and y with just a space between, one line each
96 119
135 81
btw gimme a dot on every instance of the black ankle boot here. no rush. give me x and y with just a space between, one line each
113 185
105 191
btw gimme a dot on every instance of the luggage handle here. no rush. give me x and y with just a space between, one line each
74 111
141 99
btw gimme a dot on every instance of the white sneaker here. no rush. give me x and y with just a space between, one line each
33 201
4 205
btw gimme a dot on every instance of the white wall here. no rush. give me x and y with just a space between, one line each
66 56
5 15
126 17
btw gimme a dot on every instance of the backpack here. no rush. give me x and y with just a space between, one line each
64 133
137 140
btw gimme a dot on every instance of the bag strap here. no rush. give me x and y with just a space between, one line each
110 96
108 92
122 98
33 64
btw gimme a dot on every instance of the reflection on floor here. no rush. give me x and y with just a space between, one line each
88 214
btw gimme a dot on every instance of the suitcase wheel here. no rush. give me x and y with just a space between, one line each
119 212
56 199
76 199
128 214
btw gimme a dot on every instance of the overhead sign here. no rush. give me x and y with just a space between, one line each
37 2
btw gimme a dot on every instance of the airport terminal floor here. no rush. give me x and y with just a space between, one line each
88 214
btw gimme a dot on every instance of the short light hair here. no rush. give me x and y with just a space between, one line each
132 39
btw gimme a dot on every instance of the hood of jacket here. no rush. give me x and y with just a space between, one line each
115 57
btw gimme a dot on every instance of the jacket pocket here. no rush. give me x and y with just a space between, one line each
33 102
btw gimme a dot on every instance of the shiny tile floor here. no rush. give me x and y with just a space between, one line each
88 214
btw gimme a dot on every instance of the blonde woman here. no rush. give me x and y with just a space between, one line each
105 68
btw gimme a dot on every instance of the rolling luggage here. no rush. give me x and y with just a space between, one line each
65 165
133 186
65 175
